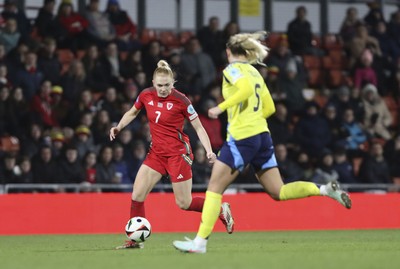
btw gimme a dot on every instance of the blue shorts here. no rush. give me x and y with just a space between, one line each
256 150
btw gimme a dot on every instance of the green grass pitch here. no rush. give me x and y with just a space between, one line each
364 249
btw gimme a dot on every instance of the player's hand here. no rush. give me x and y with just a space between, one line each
214 112
211 157
113 133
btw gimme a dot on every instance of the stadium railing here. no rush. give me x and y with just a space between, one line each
234 188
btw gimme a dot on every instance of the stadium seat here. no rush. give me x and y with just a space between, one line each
356 165
335 78
80 54
9 144
331 42
65 56
273 40
185 36
169 39
311 61
314 77
147 36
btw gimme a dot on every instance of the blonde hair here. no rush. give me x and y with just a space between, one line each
249 45
163 68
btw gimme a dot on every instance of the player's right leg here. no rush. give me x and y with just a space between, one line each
145 180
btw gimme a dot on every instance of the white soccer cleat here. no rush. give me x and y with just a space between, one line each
333 190
226 217
131 244
189 246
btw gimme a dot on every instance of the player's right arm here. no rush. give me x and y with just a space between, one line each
129 116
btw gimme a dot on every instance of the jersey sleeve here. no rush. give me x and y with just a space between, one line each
190 112
139 101
245 90
232 74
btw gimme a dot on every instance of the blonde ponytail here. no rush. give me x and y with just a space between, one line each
163 68
249 45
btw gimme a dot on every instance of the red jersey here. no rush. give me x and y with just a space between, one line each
166 118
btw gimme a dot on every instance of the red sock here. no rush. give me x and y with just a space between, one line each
197 204
137 209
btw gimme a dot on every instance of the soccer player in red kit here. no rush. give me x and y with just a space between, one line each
170 152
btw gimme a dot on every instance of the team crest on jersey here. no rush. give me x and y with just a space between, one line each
169 106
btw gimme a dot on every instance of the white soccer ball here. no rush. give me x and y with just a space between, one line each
138 229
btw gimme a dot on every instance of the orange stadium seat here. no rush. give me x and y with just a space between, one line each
148 35
314 77
169 39
185 36
311 61
273 40
9 144
331 42
335 78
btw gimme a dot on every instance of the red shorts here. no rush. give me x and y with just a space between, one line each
178 167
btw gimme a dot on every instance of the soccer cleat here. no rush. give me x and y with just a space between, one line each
334 191
130 244
226 217
188 246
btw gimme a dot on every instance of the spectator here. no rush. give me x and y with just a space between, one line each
28 76
364 73
351 135
325 172
70 167
197 68
152 53
46 23
394 27
293 88
374 15
231 28
312 131
21 113
200 168
121 165
299 33
349 25
73 82
343 99
303 160
89 164
44 166
132 65
126 30
97 78
7 119
41 106
331 117
212 126
24 171
273 83
57 143
9 35
289 170
101 127
74 26
112 66
8 173
100 29
210 38
110 103
279 125
34 140
392 156
377 118
48 61
85 104
138 153
83 141
105 169
11 11
343 167
389 48
59 106
374 168
361 41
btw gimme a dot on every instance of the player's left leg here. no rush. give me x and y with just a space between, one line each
271 180
221 177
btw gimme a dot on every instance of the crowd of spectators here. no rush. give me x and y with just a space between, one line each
60 112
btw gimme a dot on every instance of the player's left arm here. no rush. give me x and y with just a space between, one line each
268 106
245 90
204 139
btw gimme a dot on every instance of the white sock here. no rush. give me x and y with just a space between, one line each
201 242
323 190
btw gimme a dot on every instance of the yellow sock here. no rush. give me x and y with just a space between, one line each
209 216
298 189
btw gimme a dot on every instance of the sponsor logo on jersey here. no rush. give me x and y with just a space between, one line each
180 176
151 103
169 106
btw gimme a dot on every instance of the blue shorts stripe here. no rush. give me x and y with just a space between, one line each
237 157
270 163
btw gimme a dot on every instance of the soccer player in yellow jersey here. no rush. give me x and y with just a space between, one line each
248 104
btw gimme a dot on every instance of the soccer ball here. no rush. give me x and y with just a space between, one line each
138 229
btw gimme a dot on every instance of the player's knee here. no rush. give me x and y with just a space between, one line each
275 195
182 203
138 197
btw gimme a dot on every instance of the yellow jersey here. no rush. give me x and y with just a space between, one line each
247 100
